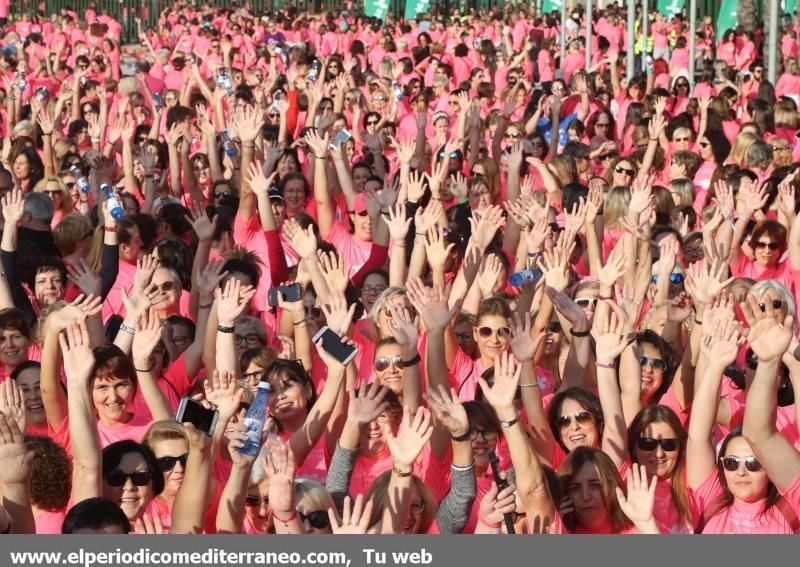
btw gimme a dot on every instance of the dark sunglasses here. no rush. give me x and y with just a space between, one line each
582 417
586 301
513 135
486 332
253 501
554 327
383 363
776 304
673 278
682 140
166 464
220 194
731 463
655 363
650 444
626 171
373 123
317 519
771 245
118 478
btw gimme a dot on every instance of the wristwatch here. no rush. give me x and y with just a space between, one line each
506 423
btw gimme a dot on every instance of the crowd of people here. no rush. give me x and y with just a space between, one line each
571 293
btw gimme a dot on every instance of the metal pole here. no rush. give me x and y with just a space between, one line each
631 38
644 34
692 32
563 31
774 11
588 34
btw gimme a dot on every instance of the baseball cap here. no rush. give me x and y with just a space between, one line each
361 204
275 193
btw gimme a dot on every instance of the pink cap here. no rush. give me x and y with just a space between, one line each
361 204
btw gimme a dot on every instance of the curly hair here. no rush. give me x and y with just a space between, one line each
51 478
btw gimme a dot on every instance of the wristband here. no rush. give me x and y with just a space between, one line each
533 385
400 474
287 520
110 228
609 298
298 323
143 369
206 305
469 467
126 329
610 366
488 523
579 334
412 361
463 437
506 423
224 329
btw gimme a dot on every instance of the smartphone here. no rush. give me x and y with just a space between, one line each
340 138
42 93
334 346
293 292
502 484
203 419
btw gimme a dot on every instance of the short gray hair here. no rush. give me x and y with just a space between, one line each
39 206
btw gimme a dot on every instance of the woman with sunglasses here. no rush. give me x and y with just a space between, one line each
54 188
170 446
762 258
735 494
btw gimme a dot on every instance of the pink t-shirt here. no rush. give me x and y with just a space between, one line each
354 251
113 304
435 475
49 522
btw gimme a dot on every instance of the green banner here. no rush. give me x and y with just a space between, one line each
670 7
550 6
727 18
414 7
789 6
376 8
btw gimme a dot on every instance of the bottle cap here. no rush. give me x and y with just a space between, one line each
264 384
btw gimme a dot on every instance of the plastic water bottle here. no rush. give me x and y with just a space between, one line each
224 81
22 82
531 275
83 183
112 202
312 75
157 101
226 143
254 420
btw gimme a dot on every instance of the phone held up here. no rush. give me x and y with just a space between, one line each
194 412
333 345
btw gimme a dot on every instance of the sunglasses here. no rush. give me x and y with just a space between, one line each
582 418
513 135
628 172
485 433
681 140
166 286
682 85
655 363
650 444
771 245
776 304
166 464
382 364
453 155
253 501
586 302
554 327
118 478
378 97
372 123
731 463
486 332
602 125
317 519
52 192
273 115
326 108
220 194
673 278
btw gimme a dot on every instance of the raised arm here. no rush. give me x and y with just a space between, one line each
148 334
325 207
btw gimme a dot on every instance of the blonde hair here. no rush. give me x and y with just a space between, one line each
685 190
71 230
66 198
314 494
616 205
379 494
164 431
741 144
380 303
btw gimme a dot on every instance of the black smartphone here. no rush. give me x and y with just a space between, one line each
334 345
502 484
293 292
194 412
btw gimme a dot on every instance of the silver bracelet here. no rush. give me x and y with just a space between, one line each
463 469
125 328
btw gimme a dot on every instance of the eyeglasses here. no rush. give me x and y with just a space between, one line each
554 327
378 97
251 339
582 418
776 304
586 301
485 433
676 140
778 148
502 332
253 377
253 501
655 363
221 194
603 125
771 245
118 478
673 279
382 364
626 171
650 444
373 289
52 192
166 286
731 463
166 464
318 519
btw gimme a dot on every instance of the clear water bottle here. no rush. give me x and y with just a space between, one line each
83 183
531 275
312 75
116 210
224 81
398 91
254 420
22 82
157 101
227 144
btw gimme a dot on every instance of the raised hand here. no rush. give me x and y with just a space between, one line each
280 468
333 269
233 301
13 206
317 143
77 353
769 336
523 344
146 266
208 280
304 242
568 309
724 343
403 327
327 358
609 335
12 404
483 231
16 462
425 218
637 504
706 278
338 314
148 524
506 381
83 276
221 390
356 522
489 275
148 333
202 225
366 403
614 268
432 304
447 411
437 248
414 433
398 223
576 218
